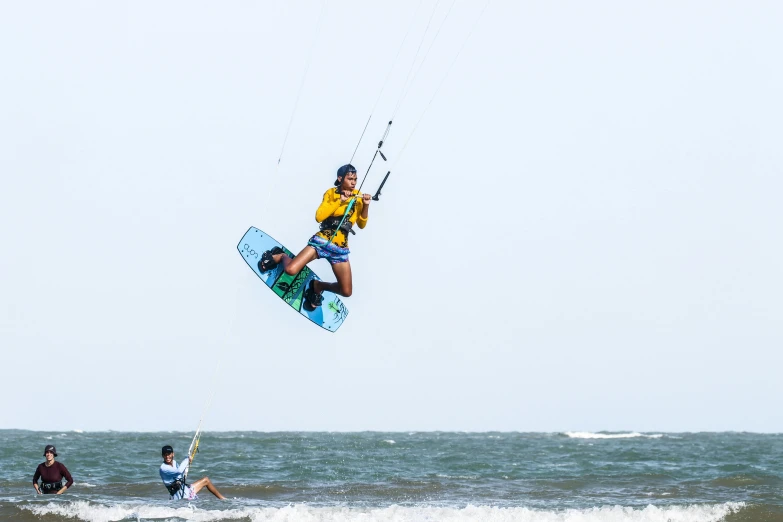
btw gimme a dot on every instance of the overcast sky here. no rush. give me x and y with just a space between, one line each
582 233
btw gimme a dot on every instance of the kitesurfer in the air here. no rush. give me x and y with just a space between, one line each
174 478
345 204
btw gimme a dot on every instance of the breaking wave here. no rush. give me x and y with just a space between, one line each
91 512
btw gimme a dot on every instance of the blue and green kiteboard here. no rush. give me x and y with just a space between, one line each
329 316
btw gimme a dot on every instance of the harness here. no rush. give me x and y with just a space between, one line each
175 487
47 486
335 223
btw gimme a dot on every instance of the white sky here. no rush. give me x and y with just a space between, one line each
582 234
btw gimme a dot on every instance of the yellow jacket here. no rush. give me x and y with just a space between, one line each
332 206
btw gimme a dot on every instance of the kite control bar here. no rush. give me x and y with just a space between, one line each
377 195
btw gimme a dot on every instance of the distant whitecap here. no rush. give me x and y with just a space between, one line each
630 435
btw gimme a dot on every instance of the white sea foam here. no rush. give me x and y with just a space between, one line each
589 435
390 441
458 477
82 510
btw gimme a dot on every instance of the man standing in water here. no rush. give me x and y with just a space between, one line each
174 478
52 473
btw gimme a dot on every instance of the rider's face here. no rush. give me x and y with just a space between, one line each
168 458
349 181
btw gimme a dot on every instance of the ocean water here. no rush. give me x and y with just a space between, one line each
367 477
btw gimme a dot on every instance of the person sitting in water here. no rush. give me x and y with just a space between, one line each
52 474
174 478
331 243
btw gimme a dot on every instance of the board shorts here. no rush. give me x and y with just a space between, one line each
186 493
329 251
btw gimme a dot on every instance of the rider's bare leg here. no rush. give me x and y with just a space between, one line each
295 265
206 483
344 284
